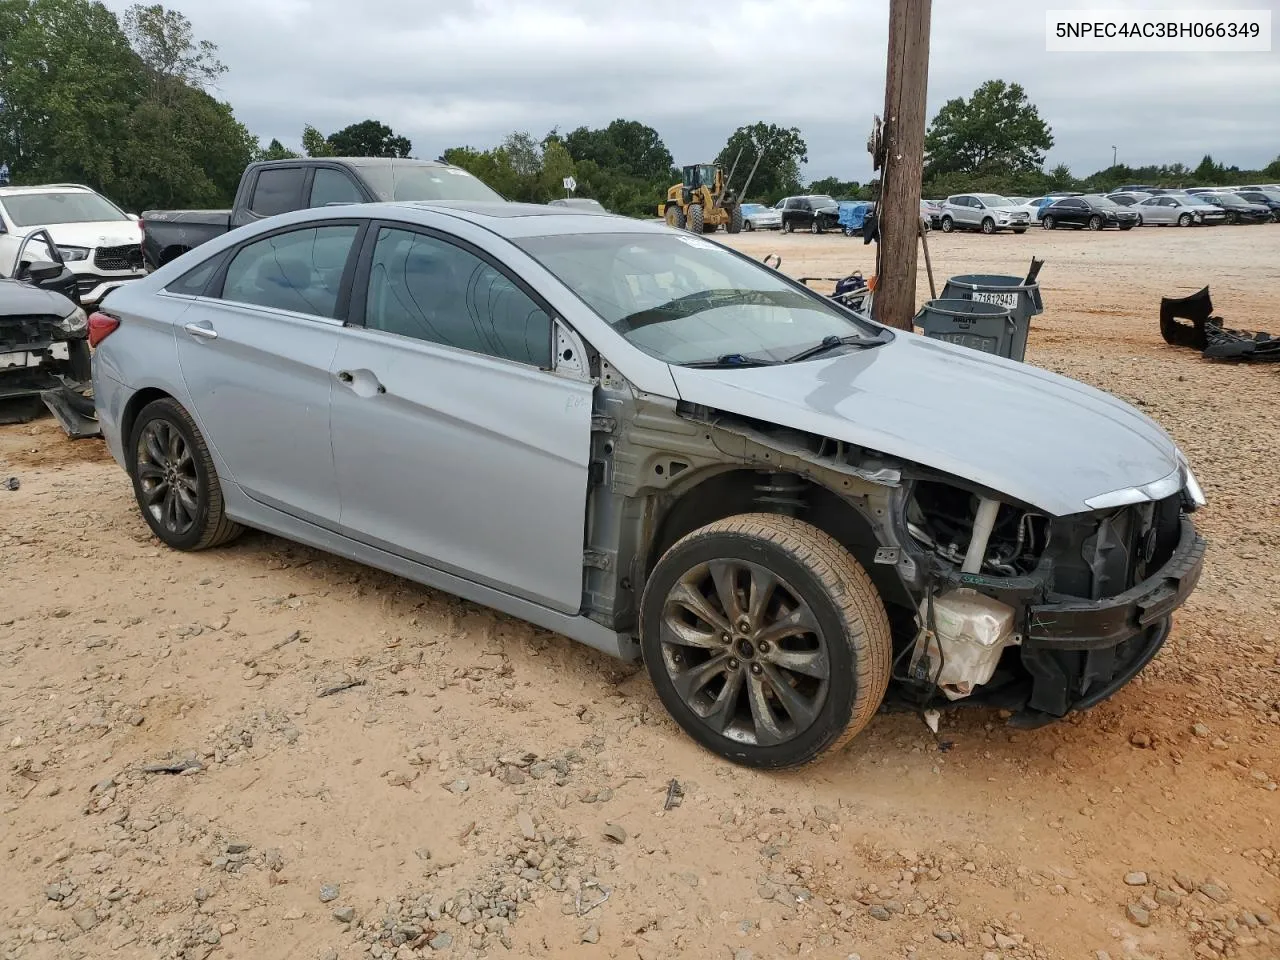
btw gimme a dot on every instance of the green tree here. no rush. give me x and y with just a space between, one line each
524 154
996 131
68 83
1060 178
314 143
837 188
276 150
782 150
368 138
163 40
187 153
1273 168
556 165
1208 172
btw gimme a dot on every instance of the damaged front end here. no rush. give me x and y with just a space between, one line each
44 358
1046 615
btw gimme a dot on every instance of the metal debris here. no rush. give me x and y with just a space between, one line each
675 794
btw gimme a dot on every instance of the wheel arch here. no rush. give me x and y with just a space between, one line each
135 406
716 494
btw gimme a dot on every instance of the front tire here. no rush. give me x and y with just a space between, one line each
765 640
815 228
174 480
1184 220
675 217
1095 223
988 226
788 226
695 218
948 224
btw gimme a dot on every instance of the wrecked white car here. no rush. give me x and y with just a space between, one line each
661 448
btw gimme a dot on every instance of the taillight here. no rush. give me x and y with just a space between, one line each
101 324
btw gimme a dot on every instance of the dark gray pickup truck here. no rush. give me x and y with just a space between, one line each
279 186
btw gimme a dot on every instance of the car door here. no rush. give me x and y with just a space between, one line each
1150 211
455 444
967 211
256 352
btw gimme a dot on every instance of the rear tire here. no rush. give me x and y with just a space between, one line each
788 226
174 480
1047 223
807 621
695 218
735 221
948 224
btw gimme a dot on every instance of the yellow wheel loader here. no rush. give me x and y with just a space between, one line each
702 202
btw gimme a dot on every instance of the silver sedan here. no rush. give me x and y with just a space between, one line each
657 446
1177 209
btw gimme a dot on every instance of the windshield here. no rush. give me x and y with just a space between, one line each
1099 201
39 209
422 181
823 201
683 299
990 200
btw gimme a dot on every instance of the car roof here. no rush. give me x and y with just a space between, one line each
512 220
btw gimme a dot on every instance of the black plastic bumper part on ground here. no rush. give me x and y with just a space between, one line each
1079 652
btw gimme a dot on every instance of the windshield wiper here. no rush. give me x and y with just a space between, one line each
731 360
830 343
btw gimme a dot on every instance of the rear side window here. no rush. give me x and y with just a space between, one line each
300 270
194 282
426 288
333 186
278 190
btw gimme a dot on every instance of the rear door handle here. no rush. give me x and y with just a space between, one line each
362 382
202 330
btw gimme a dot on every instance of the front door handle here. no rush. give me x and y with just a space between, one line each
202 330
345 376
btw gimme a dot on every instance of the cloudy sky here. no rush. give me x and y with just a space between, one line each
452 72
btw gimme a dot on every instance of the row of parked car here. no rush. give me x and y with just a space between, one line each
1124 209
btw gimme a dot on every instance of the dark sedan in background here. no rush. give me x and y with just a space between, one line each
1263 198
1091 212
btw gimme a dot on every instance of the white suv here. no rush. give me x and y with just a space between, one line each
100 243
987 212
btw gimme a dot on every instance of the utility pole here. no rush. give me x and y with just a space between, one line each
898 213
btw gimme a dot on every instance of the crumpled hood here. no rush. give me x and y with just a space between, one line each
1032 435
19 299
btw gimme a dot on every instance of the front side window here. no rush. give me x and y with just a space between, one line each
683 299
299 271
429 289
333 186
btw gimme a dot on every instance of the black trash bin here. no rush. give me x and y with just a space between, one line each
988 327
1022 298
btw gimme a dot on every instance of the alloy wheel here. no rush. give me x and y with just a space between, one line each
744 652
167 477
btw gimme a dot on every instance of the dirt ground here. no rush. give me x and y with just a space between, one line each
459 800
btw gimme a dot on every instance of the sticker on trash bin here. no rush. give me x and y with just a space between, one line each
1009 300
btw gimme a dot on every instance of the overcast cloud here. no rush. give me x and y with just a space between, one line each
452 72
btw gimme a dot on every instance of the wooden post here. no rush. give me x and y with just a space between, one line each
898 212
